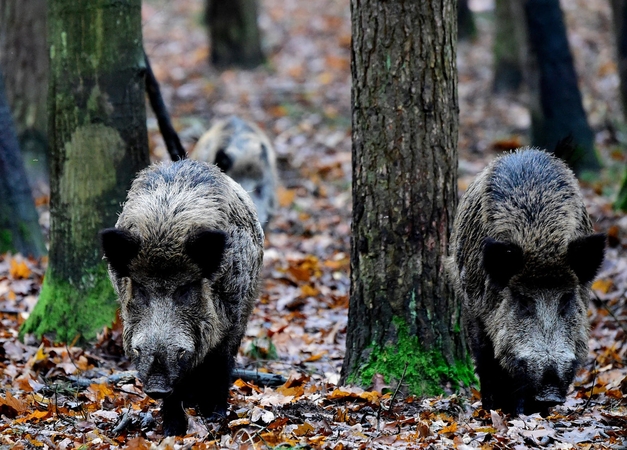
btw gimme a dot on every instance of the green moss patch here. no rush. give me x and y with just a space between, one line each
68 310
427 371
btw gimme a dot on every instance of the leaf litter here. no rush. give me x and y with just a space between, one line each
67 397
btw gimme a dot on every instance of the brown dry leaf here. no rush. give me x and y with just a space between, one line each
35 416
101 391
11 406
138 443
303 430
309 291
18 269
497 421
507 144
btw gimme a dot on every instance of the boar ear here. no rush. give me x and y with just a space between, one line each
223 161
585 256
119 247
501 260
206 248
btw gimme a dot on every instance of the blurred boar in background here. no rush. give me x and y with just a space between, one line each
245 154
184 258
523 257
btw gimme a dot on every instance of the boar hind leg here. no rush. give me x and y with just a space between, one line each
174 417
215 373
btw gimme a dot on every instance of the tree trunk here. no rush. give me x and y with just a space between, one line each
19 221
466 28
509 45
98 142
234 33
24 57
619 13
556 106
404 318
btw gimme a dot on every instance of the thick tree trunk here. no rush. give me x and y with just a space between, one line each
98 142
404 317
556 106
510 45
19 221
24 58
234 33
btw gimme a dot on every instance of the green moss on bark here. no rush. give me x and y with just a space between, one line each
427 370
65 311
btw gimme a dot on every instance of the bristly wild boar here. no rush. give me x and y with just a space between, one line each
184 258
245 154
522 259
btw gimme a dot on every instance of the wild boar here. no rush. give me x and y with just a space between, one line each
184 258
523 255
245 154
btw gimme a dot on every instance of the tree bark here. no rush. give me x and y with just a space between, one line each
510 45
234 33
24 58
556 106
404 318
98 142
19 221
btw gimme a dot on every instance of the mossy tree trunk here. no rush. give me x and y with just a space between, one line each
24 58
510 45
19 221
234 33
404 316
556 106
98 142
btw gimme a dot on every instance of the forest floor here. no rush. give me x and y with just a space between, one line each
67 397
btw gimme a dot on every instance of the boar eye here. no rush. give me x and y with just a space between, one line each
185 292
566 301
527 304
140 293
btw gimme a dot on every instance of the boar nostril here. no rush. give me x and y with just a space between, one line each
158 393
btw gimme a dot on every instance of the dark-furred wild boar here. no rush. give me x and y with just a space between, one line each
523 255
184 258
245 154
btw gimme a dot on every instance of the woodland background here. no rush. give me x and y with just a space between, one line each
68 397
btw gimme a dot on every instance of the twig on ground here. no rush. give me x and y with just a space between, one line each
398 387
123 424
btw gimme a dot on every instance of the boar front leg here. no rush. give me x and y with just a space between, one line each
215 373
174 417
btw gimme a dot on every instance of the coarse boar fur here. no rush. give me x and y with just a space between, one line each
522 259
184 258
245 154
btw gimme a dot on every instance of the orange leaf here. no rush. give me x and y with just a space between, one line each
316 357
295 391
286 196
603 285
35 416
309 291
19 269
452 428
101 390
138 443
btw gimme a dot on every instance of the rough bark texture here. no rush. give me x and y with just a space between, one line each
556 106
509 45
404 318
234 33
98 142
19 221
24 58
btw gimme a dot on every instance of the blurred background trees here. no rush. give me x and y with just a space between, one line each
98 142
24 58
19 221
234 33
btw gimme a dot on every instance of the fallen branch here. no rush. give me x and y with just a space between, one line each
251 376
